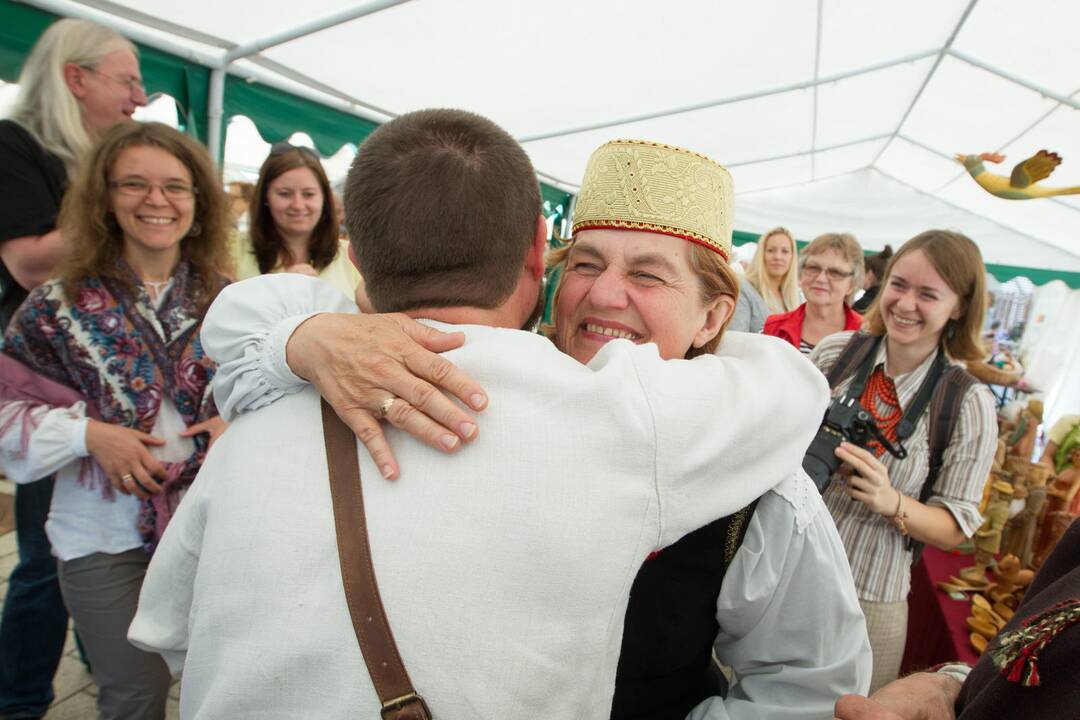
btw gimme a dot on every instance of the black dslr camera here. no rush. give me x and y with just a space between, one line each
845 419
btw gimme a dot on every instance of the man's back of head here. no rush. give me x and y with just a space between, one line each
441 208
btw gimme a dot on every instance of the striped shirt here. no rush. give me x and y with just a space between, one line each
880 560
805 348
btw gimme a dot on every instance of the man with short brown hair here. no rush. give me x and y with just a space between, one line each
462 245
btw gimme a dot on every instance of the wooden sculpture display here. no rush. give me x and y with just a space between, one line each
988 536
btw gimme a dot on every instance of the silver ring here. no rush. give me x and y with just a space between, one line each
126 478
384 409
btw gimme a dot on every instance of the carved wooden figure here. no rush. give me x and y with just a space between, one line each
1022 440
988 536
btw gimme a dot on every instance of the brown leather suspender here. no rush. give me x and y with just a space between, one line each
396 693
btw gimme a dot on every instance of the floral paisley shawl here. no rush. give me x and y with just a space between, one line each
122 356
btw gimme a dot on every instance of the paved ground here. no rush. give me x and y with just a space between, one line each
74 687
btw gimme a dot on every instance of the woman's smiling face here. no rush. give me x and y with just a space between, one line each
635 285
152 198
916 303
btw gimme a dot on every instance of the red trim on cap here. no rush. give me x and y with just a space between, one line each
663 231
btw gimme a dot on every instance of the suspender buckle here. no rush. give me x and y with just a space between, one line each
398 708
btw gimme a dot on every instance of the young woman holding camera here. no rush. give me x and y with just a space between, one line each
932 303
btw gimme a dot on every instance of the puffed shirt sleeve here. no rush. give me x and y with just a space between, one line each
791 627
36 440
728 427
247 328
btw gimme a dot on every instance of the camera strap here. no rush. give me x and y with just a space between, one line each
919 402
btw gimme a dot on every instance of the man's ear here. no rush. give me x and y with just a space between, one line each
73 78
353 260
534 261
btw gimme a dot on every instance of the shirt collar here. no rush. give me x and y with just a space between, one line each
908 383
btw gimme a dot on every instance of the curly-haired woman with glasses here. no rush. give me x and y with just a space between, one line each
79 80
293 224
830 270
105 384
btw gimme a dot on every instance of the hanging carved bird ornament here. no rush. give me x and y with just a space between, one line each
1023 183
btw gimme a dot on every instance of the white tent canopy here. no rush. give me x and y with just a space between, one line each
831 115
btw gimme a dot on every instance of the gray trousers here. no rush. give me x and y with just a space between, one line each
101 592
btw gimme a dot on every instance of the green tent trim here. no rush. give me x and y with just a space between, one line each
1003 273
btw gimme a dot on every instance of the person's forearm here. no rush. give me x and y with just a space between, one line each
931 525
33 259
39 440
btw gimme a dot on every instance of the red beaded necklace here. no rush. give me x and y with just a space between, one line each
881 392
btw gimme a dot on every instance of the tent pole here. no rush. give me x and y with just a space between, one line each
215 109
299 31
130 30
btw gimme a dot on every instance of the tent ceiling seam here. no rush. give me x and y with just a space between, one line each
796 184
1045 92
817 73
778 90
827 148
926 81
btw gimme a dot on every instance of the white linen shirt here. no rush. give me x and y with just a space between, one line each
505 573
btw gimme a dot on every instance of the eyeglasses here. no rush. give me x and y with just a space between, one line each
133 85
280 148
133 187
812 270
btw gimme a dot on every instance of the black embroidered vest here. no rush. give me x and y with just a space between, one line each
665 667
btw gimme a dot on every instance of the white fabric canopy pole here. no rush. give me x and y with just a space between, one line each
217 75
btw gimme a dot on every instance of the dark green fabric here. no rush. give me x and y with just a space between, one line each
278 115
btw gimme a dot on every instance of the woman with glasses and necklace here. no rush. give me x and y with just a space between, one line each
830 270
105 384
931 305
79 80
293 224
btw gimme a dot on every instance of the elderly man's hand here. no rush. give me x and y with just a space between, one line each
360 363
921 696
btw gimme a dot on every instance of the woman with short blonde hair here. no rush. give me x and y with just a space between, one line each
773 271
830 271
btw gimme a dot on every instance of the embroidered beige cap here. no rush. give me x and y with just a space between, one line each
640 185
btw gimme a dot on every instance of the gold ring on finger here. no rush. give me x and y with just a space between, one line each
127 478
384 408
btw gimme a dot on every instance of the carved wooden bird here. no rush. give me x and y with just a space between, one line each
1023 183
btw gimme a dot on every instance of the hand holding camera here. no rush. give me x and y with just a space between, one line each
869 482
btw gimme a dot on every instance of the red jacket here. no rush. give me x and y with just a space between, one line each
788 326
